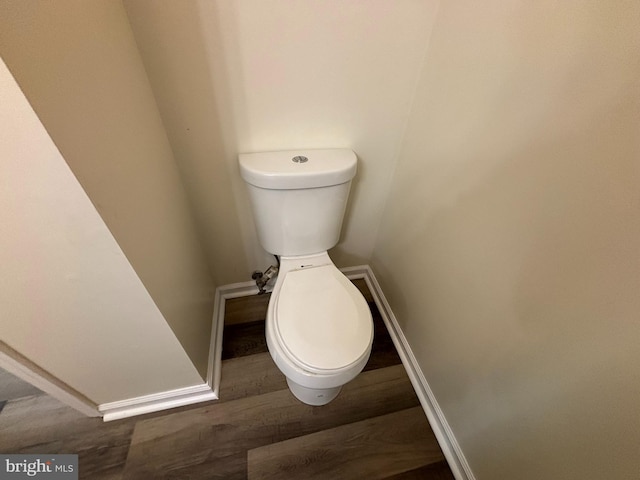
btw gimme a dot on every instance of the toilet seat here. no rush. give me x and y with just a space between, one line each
321 320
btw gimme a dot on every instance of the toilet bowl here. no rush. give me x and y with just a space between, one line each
319 328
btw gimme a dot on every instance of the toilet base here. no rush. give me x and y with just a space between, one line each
313 396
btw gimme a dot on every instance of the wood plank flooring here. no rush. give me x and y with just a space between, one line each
372 448
375 428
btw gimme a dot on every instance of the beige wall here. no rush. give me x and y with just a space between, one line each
69 299
247 76
78 65
510 243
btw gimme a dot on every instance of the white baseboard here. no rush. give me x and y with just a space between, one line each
193 394
25 369
223 293
448 443
156 402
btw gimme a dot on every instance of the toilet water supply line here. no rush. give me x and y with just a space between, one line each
262 278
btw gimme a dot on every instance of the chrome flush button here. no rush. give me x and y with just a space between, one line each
300 159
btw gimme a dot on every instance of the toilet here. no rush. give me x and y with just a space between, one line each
319 328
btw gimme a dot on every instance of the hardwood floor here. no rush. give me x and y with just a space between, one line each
375 428
371 448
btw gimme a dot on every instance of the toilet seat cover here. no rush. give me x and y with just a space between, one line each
322 319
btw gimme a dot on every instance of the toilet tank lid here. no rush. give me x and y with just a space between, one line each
297 169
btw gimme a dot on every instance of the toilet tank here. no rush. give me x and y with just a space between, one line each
298 197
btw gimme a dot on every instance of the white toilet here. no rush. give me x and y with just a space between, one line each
319 328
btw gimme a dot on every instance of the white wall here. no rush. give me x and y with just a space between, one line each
79 66
510 244
246 76
69 299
